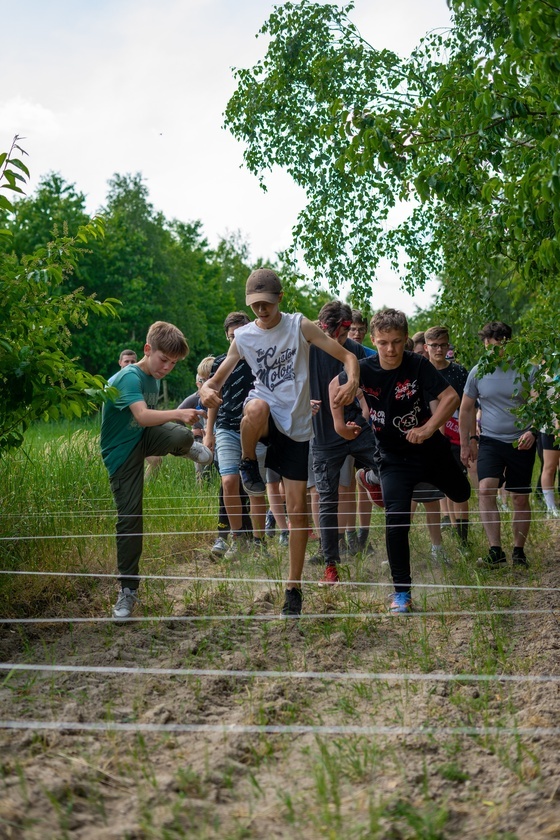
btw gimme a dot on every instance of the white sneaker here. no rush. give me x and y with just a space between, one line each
553 513
439 554
126 602
219 548
200 454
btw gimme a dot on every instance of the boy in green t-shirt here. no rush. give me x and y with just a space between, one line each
132 429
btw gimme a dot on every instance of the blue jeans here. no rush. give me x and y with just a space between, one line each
228 450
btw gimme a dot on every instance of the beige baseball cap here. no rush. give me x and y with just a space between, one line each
262 284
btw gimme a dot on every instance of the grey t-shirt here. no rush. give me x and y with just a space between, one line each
499 392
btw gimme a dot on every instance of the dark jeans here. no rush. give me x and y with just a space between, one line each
327 463
127 485
431 461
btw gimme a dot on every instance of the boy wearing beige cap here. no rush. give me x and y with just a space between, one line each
278 409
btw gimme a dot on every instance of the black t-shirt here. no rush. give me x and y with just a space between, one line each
322 370
398 399
456 376
234 394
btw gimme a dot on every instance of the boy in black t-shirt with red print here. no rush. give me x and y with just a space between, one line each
408 401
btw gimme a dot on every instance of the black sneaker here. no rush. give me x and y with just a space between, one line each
495 558
519 557
251 477
292 603
352 546
317 559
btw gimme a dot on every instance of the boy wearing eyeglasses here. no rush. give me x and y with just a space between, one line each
436 345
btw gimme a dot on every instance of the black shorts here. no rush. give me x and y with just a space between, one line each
497 459
425 492
549 442
456 452
289 458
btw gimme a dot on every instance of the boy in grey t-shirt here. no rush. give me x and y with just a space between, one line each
504 450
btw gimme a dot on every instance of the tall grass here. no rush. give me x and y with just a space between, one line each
58 515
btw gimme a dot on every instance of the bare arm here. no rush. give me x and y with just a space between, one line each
146 417
447 403
348 432
467 427
209 436
345 393
209 392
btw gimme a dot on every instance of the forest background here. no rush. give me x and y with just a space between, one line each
465 131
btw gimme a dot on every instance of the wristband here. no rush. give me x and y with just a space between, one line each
474 437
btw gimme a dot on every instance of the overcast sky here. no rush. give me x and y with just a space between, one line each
104 86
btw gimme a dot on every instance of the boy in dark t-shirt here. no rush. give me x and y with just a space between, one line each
329 449
436 346
133 429
408 401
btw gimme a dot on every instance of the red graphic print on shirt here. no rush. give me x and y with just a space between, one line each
405 390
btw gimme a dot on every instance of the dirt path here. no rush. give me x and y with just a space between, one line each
101 785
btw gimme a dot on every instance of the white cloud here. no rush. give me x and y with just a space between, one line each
24 117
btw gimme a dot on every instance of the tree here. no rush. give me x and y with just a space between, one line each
466 130
37 377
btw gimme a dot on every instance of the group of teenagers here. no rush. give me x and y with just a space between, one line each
408 420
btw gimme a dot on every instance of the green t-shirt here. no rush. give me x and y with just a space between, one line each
119 430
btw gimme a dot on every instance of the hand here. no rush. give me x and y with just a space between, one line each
354 428
209 440
315 407
209 397
189 416
345 394
468 453
419 434
526 440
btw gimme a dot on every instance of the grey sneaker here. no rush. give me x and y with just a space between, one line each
126 602
237 547
284 538
219 548
260 549
440 555
200 454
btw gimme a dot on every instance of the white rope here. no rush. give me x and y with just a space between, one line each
275 617
292 729
330 676
198 532
305 581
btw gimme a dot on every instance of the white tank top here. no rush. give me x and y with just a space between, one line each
279 359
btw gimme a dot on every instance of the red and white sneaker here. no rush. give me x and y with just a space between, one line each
373 491
331 577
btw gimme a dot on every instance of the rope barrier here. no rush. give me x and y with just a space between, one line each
329 676
305 581
292 729
272 617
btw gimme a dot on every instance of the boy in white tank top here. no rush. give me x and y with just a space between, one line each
278 409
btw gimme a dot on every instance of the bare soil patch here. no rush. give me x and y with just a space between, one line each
210 784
